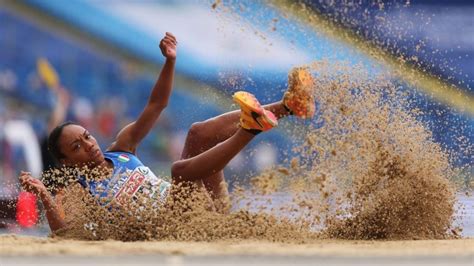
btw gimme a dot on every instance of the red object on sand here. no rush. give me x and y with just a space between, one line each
26 210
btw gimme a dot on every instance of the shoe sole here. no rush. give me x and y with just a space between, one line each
258 110
301 79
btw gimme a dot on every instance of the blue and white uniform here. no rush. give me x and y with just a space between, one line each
129 177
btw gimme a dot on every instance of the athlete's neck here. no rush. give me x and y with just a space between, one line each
106 165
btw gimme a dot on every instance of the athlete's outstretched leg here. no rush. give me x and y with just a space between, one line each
298 100
253 120
206 134
206 167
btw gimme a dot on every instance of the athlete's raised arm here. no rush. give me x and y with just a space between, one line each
132 134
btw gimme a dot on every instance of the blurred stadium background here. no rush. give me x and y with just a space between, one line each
107 57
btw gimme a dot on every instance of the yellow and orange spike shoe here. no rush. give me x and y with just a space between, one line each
253 116
299 98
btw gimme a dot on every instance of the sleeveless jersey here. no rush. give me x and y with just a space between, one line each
129 177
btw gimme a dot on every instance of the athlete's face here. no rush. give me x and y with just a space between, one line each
79 147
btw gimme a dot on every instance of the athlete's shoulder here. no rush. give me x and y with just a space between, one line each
114 146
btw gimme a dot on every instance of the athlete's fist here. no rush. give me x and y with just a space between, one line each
168 46
31 184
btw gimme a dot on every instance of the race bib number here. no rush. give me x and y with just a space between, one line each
136 181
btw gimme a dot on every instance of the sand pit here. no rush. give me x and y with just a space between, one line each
28 250
13 245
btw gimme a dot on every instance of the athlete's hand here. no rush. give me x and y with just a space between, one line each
168 46
31 184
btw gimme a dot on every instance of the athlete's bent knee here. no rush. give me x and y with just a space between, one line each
177 170
198 132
